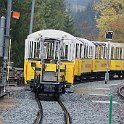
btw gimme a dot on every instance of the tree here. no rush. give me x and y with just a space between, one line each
111 16
52 14
19 28
48 14
69 22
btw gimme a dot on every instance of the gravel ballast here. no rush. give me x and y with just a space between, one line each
87 103
90 105
25 109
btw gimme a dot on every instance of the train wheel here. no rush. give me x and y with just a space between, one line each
56 96
119 76
63 89
32 87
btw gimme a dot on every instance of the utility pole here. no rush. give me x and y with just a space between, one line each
32 16
108 36
6 45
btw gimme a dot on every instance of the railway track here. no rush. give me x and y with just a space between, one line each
121 92
39 118
66 113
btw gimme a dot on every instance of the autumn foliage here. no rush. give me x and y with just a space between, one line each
110 17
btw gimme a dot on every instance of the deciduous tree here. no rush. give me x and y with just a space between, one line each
111 16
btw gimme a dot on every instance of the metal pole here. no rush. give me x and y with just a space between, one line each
32 16
2 31
107 65
7 38
42 56
59 60
110 110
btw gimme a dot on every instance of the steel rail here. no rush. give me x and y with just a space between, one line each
66 113
39 117
120 91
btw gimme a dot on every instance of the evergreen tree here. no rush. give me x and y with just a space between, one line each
69 23
52 14
19 28
48 14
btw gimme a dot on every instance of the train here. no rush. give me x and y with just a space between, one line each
54 58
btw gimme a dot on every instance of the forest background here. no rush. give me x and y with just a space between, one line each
84 18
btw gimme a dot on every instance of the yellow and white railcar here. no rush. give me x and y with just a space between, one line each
83 58
117 59
61 57
57 49
100 60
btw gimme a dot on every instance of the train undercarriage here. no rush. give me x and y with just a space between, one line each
99 75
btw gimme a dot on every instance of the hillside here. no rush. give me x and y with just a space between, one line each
84 18
76 5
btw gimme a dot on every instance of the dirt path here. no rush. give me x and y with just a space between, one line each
1 120
5 104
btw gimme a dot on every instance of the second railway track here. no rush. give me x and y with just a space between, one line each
121 91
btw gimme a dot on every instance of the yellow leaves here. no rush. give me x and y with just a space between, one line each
104 22
108 11
111 16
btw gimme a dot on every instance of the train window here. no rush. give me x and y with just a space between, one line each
116 53
66 52
30 49
101 52
76 53
62 53
80 50
91 54
105 52
73 51
112 53
56 49
88 51
36 49
84 51
51 49
48 53
120 53
96 52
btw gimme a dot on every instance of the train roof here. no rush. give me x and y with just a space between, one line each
117 44
51 34
85 41
121 45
